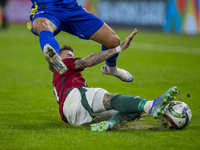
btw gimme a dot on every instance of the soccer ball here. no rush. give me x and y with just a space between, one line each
178 115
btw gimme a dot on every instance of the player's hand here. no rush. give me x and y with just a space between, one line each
128 40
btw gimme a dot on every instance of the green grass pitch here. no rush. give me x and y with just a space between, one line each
29 116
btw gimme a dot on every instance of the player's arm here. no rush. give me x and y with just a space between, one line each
99 57
94 59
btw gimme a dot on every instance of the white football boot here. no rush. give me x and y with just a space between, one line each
54 59
122 74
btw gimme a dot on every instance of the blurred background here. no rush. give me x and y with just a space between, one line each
179 16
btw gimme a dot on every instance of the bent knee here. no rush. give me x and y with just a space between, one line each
41 24
113 41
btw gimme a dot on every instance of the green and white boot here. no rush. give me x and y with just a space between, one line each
101 127
157 109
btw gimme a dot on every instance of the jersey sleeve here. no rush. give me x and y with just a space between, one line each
69 62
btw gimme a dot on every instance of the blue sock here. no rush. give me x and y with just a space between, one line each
111 62
47 37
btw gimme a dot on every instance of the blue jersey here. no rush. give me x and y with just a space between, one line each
51 1
51 4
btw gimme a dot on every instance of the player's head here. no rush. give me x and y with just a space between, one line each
66 52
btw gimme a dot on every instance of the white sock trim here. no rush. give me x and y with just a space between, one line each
148 106
110 69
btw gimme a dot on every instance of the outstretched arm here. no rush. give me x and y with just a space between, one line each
99 57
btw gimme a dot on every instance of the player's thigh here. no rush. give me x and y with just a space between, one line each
78 106
87 26
97 101
106 36
73 109
41 24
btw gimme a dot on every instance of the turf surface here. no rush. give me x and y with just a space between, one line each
29 116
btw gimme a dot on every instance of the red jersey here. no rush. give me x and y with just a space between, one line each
72 78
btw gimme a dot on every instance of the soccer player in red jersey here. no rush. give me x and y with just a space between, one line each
79 104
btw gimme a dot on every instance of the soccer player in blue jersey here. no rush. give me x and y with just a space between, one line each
49 17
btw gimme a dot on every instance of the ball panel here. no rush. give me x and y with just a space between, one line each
178 114
171 123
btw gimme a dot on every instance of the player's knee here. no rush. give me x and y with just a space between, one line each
116 41
43 24
113 42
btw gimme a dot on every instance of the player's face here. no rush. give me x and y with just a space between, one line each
66 54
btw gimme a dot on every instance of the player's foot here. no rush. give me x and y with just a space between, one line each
54 59
119 73
157 109
100 127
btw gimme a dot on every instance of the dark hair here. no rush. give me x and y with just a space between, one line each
64 47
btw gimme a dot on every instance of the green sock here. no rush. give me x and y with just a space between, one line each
120 117
127 104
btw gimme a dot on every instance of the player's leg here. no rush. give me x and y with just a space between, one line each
49 45
134 104
45 29
88 26
116 119
101 102
107 37
122 104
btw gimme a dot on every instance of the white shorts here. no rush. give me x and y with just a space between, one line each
80 103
